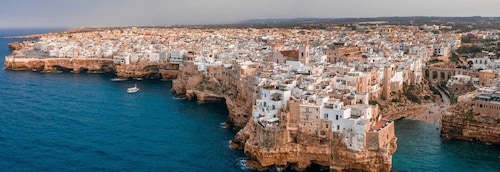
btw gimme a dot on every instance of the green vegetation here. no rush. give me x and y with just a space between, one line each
412 97
434 61
453 99
383 97
372 102
469 114
454 58
468 49
395 100
427 97
434 90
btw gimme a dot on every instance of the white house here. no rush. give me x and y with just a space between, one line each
176 57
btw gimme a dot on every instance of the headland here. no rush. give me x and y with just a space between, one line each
297 96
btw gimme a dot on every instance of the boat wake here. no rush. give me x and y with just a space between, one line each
223 125
178 98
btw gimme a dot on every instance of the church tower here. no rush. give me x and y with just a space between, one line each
304 54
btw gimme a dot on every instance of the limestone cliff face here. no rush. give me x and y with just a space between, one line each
365 160
195 85
59 64
146 69
239 113
330 151
463 124
15 46
24 64
77 65
187 79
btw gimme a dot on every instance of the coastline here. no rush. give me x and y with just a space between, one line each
194 85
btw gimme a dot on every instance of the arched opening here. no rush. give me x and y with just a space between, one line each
434 75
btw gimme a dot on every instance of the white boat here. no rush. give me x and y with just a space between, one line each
133 89
139 79
118 79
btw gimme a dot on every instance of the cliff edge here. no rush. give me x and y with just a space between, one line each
471 121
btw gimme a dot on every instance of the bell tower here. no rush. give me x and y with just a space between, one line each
304 54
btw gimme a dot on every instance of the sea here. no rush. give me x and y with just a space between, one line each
85 122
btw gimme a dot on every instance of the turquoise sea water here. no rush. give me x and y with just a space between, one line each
85 122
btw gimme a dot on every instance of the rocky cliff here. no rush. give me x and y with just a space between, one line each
463 124
15 46
59 64
195 85
146 69
94 65
309 149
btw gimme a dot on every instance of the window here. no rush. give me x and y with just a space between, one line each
325 116
338 127
336 117
307 117
326 125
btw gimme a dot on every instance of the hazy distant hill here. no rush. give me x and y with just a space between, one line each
394 20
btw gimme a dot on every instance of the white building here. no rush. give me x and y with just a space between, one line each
176 57
456 79
121 60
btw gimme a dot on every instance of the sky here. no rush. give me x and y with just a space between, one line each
92 13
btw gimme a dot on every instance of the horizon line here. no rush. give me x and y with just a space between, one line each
239 22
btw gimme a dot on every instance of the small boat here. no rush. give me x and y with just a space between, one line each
139 79
133 89
97 71
118 79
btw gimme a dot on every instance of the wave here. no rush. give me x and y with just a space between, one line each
242 164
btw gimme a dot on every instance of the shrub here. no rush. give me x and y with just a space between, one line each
412 97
